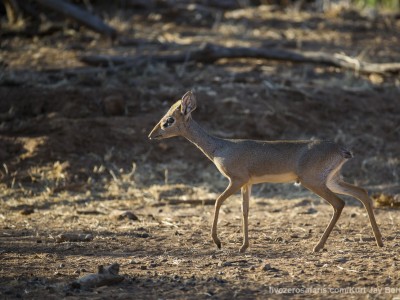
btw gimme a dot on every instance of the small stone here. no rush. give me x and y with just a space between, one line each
143 235
362 278
224 264
341 259
353 215
310 211
27 210
267 267
176 277
62 265
122 215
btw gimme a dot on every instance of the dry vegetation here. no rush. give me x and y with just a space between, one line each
81 185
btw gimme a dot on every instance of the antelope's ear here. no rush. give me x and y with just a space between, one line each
188 104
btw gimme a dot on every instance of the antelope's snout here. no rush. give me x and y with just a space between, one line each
156 133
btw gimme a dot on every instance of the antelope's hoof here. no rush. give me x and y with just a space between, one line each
318 248
217 242
243 248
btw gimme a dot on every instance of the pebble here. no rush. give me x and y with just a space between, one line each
143 235
267 267
27 211
341 259
224 264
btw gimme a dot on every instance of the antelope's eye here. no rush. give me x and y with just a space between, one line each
168 122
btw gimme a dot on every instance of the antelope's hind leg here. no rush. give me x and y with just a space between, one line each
324 192
340 187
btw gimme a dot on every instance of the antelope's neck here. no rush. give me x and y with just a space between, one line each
204 141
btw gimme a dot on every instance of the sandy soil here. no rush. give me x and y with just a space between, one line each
75 157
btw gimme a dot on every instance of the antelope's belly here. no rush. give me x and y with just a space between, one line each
274 178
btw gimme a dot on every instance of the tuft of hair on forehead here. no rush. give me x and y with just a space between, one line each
175 105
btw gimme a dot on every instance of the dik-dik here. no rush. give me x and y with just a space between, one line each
314 164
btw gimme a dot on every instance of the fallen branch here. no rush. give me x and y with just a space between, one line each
79 15
210 53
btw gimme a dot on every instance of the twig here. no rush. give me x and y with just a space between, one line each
345 269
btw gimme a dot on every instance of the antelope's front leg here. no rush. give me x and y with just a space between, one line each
246 191
232 188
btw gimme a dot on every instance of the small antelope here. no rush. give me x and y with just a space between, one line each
314 164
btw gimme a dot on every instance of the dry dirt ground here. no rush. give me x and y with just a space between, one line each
75 155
